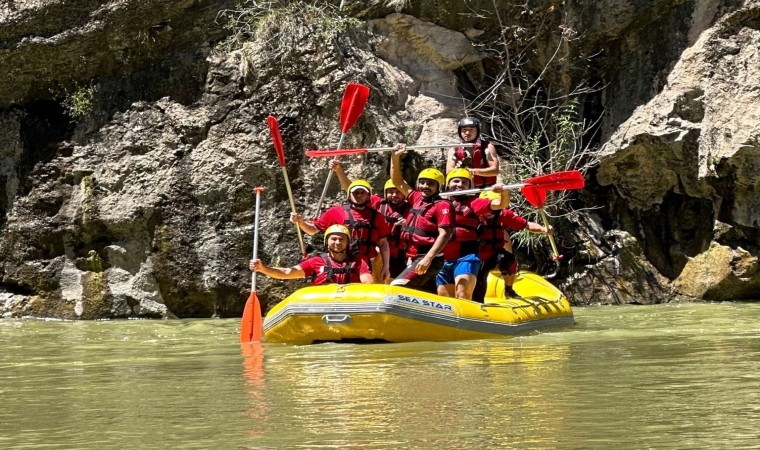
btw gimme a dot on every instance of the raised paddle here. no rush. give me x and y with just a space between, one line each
351 107
334 152
274 129
535 194
251 326
557 181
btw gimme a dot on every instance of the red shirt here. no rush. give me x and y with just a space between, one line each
491 231
468 213
365 230
316 267
423 221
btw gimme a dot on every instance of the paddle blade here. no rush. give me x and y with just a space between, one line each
334 153
274 129
251 326
571 179
534 196
352 105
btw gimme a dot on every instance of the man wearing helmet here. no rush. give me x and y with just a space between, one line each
368 228
428 224
394 208
481 159
495 248
335 266
459 273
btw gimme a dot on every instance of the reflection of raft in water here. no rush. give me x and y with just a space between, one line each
379 312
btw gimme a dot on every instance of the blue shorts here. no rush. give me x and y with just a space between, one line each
468 264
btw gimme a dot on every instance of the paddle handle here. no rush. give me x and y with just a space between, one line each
479 190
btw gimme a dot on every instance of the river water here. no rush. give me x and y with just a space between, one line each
665 376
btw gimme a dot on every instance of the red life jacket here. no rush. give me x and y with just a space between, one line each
392 215
339 274
421 226
490 234
479 161
361 231
464 239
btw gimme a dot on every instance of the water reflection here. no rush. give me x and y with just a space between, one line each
389 395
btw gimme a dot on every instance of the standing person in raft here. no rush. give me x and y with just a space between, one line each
496 247
367 226
394 208
335 266
428 225
481 159
460 271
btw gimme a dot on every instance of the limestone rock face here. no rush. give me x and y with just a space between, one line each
680 162
142 205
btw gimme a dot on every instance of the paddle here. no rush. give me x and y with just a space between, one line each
557 181
251 326
333 152
274 129
535 194
351 107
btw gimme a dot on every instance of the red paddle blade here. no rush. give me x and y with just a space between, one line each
571 179
534 196
354 99
333 153
251 326
274 129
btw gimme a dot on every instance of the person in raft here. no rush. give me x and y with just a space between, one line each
460 270
496 249
337 265
394 207
481 159
428 225
368 228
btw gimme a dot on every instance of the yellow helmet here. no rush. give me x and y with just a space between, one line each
458 173
337 228
490 195
358 184
432 174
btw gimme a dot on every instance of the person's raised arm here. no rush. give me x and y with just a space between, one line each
307 227
337 167
280 273
396 176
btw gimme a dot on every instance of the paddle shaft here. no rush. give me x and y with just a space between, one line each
293 208
256 234
325 153
327 180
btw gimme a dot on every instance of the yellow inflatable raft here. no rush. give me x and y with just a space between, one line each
379 312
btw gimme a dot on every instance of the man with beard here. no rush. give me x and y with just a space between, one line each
428 224
481 159
367 226
460 270
335 266
394 208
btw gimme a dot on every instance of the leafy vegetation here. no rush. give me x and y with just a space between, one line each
79 103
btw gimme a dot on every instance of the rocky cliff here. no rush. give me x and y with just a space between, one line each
131 133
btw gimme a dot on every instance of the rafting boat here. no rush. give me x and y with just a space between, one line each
380 312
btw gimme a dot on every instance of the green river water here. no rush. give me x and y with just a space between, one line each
659 377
